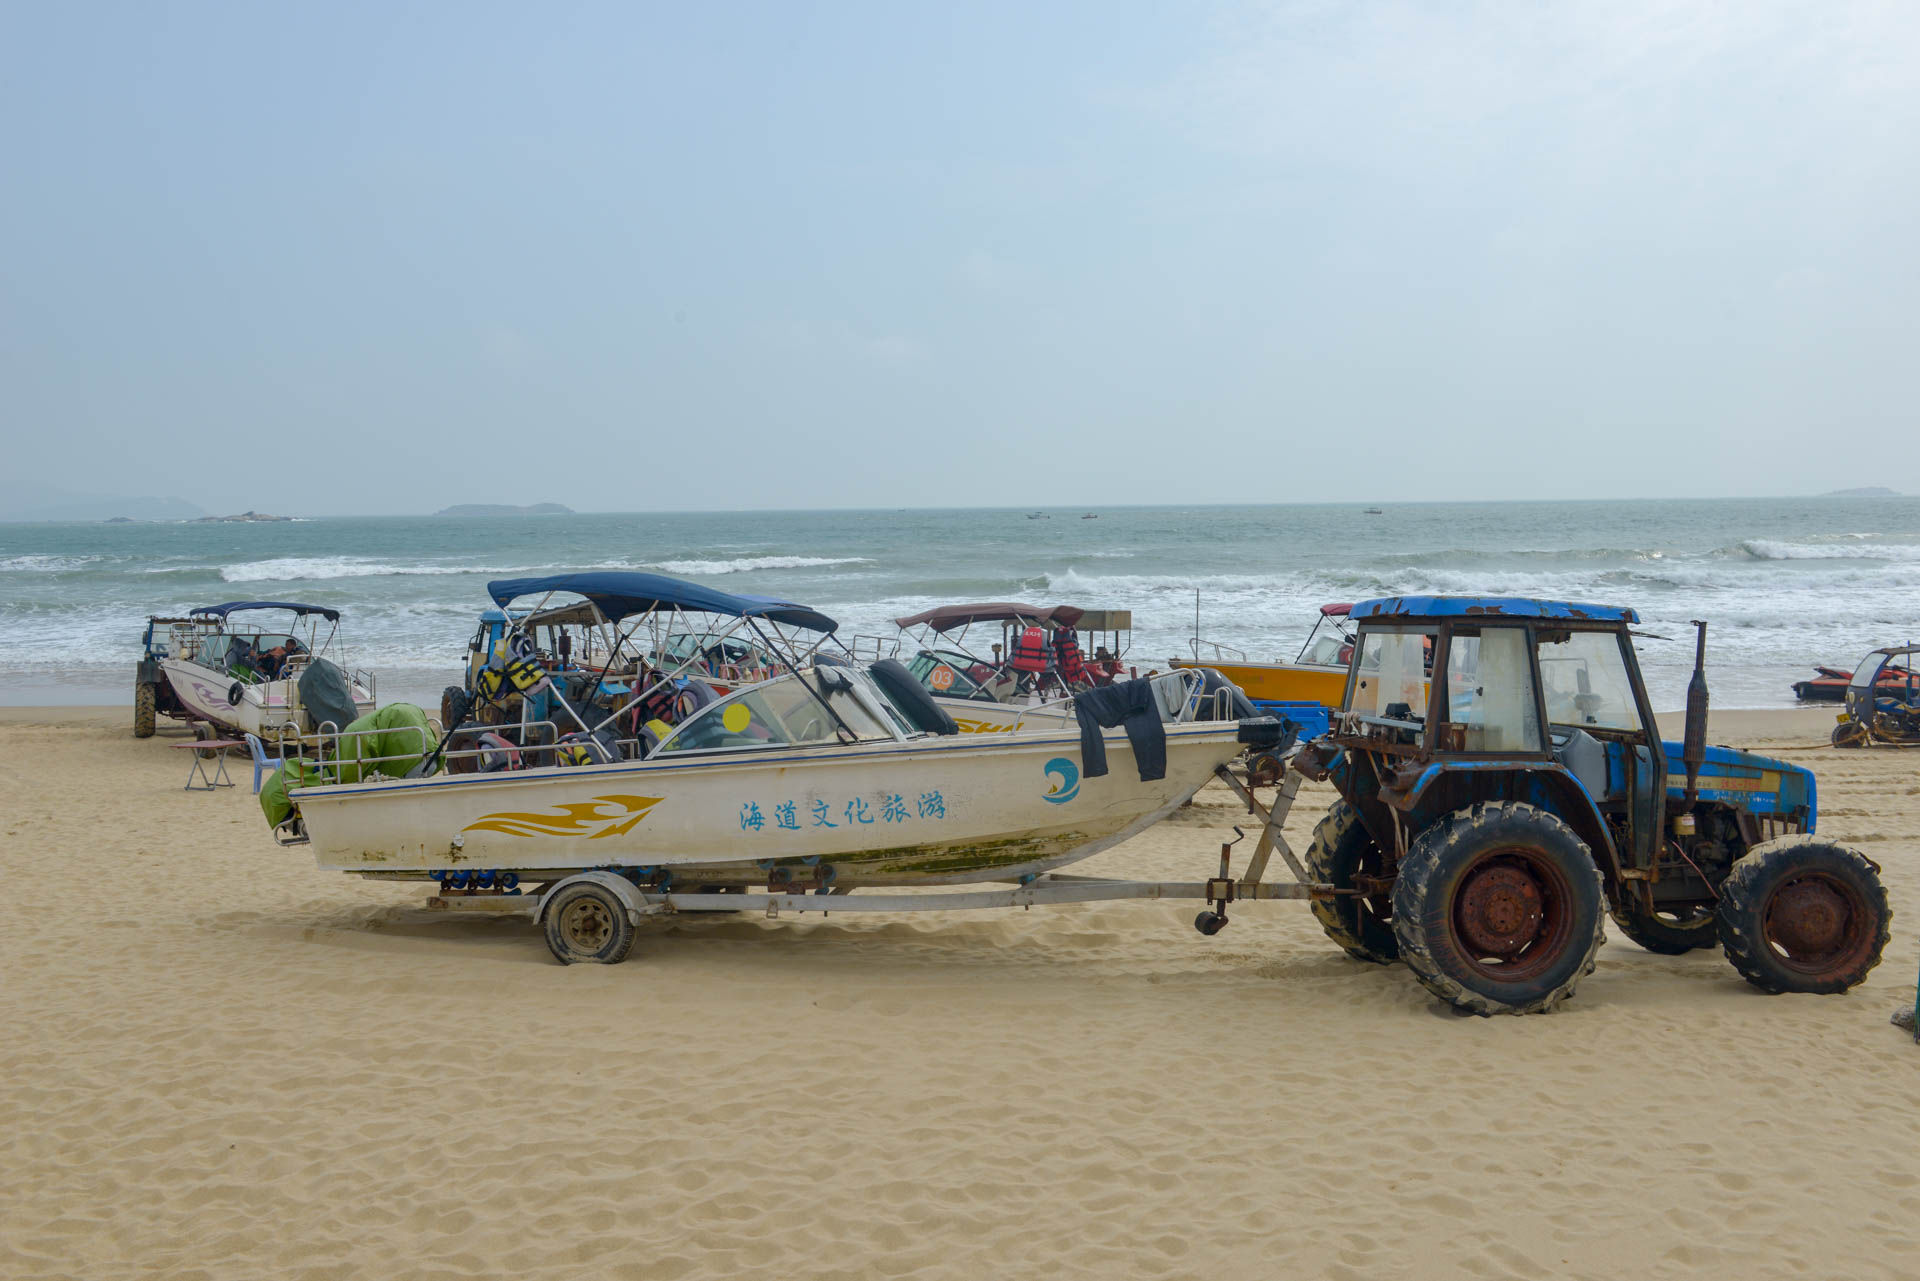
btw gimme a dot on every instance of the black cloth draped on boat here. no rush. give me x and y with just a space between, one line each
1130 704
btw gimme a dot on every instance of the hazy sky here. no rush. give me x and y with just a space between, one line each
375 258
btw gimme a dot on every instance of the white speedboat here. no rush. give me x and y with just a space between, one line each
280 684
826 776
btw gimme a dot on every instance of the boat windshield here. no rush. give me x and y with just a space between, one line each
951 674
785 712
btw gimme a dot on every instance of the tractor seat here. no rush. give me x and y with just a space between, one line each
1585 758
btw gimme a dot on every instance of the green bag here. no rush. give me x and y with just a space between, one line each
274 801
398 731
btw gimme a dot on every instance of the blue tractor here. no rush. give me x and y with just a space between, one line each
1504 788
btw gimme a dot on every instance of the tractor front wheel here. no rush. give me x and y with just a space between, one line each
1803 915
1498 909
1343 851
144 701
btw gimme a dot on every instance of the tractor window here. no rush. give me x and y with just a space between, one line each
1584 678
1490 690
1390 677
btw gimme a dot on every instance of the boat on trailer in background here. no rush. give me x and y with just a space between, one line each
220 674
826 779
1306 689
996 666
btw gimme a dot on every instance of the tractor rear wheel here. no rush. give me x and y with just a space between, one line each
1670 929
1498 909
1849 733
1803 915
1342 848
144 700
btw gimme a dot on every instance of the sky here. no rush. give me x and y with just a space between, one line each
379 258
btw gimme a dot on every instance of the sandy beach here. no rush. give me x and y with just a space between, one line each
219 1062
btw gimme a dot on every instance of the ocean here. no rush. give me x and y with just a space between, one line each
1785 583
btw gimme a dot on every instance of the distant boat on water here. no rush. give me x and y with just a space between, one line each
1374 511
1038 516
1091 516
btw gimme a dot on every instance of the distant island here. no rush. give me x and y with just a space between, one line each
1863 491
505 509
242 518
35 502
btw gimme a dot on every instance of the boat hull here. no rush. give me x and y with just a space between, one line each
1282 682
924 811
269 710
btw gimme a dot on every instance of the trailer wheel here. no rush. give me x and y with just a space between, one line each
587 924
1803 915
1341 848
1669 930
143 709
203 732
1498 909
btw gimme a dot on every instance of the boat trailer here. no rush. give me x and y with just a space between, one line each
1218 892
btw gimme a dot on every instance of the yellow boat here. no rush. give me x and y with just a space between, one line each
1317 675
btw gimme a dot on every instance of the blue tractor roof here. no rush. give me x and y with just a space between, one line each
1408 607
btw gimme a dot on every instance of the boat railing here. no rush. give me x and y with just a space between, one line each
871 649
523 737
1220 652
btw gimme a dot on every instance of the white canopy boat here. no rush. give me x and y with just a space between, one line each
281 684
824 779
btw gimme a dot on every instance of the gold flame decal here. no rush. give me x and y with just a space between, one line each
615 816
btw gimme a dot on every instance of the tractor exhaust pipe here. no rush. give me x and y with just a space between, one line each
1693 749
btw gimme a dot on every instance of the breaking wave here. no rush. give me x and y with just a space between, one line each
301 569
1769 549
745 563
44 564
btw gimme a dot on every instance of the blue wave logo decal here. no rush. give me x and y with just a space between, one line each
1069 785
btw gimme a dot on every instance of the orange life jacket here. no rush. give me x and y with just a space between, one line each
1066 655
1029 651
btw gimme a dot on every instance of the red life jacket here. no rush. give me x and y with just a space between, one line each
1066 655
1029 651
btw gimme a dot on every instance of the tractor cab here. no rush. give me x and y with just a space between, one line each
1466 699
1503 782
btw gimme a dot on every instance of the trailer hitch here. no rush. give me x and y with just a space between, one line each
1219 890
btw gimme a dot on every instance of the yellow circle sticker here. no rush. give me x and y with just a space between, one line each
736 718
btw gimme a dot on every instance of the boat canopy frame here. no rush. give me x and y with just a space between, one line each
665 607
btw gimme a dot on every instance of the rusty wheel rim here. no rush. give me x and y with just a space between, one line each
1512 916
586 925
1817 924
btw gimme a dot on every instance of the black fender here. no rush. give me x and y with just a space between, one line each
911 697
235 692
1443 788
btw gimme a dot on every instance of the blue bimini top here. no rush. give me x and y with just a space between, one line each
221 611
620 593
